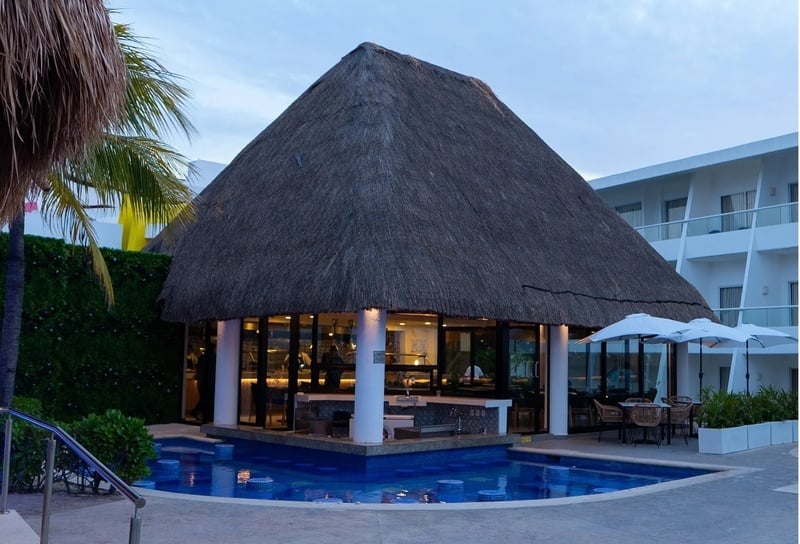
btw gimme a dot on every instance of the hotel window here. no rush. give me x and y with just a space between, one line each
793 198
793 302
674 210
632 213
739 202
729 297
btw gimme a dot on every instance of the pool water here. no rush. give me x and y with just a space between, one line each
267 471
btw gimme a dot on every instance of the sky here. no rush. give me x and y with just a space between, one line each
610 85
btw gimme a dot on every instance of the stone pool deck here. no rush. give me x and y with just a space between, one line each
755 501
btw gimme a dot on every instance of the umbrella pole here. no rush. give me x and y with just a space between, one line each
701 370
747 365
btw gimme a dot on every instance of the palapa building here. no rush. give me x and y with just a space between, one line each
399 215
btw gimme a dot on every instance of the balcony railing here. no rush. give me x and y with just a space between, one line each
780 214
777 215
765 316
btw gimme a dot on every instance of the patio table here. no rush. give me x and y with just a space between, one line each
626 406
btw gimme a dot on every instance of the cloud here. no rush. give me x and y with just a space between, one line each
228 96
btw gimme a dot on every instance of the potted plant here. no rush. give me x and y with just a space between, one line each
757 412
783 414
723 428
788 402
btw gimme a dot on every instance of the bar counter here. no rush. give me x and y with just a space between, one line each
475 414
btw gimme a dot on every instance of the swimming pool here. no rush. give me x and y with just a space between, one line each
244 469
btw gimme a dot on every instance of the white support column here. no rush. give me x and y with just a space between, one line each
737 381
370 370
558 388
226 387
684 381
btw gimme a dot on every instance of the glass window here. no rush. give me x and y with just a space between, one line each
729 297
632 213
336 351
411 354
674 210
655 371
523 355
621 379
793 198
528 377
732 204
470 356
584 372
793 301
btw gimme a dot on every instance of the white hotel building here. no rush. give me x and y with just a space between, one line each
727 220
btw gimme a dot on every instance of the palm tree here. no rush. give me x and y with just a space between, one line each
128 162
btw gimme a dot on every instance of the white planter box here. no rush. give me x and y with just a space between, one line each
758 435
793 423
720 441
780 432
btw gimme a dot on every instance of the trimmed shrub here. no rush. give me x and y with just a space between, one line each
121 443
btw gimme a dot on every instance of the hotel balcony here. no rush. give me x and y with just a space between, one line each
726 235
775 317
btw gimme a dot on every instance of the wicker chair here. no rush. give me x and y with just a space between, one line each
608 415
680 415
639 400
645 417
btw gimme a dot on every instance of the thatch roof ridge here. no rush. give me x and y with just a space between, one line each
394 183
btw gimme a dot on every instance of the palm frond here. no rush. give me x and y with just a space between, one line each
62 207
145 172
155 98
62 81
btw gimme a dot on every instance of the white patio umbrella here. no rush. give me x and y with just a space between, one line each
636 326
640 327
763 336
703 331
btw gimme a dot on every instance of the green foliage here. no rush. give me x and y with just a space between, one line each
787 401
776 404
723 410
28 448
121 443
80 357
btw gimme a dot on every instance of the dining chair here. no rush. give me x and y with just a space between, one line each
581 411
608 415
680 415
645 417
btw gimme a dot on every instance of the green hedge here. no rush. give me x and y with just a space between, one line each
77 356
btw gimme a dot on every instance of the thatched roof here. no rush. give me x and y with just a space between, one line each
62 81
393 183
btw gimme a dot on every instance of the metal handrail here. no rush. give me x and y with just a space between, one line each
94 463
